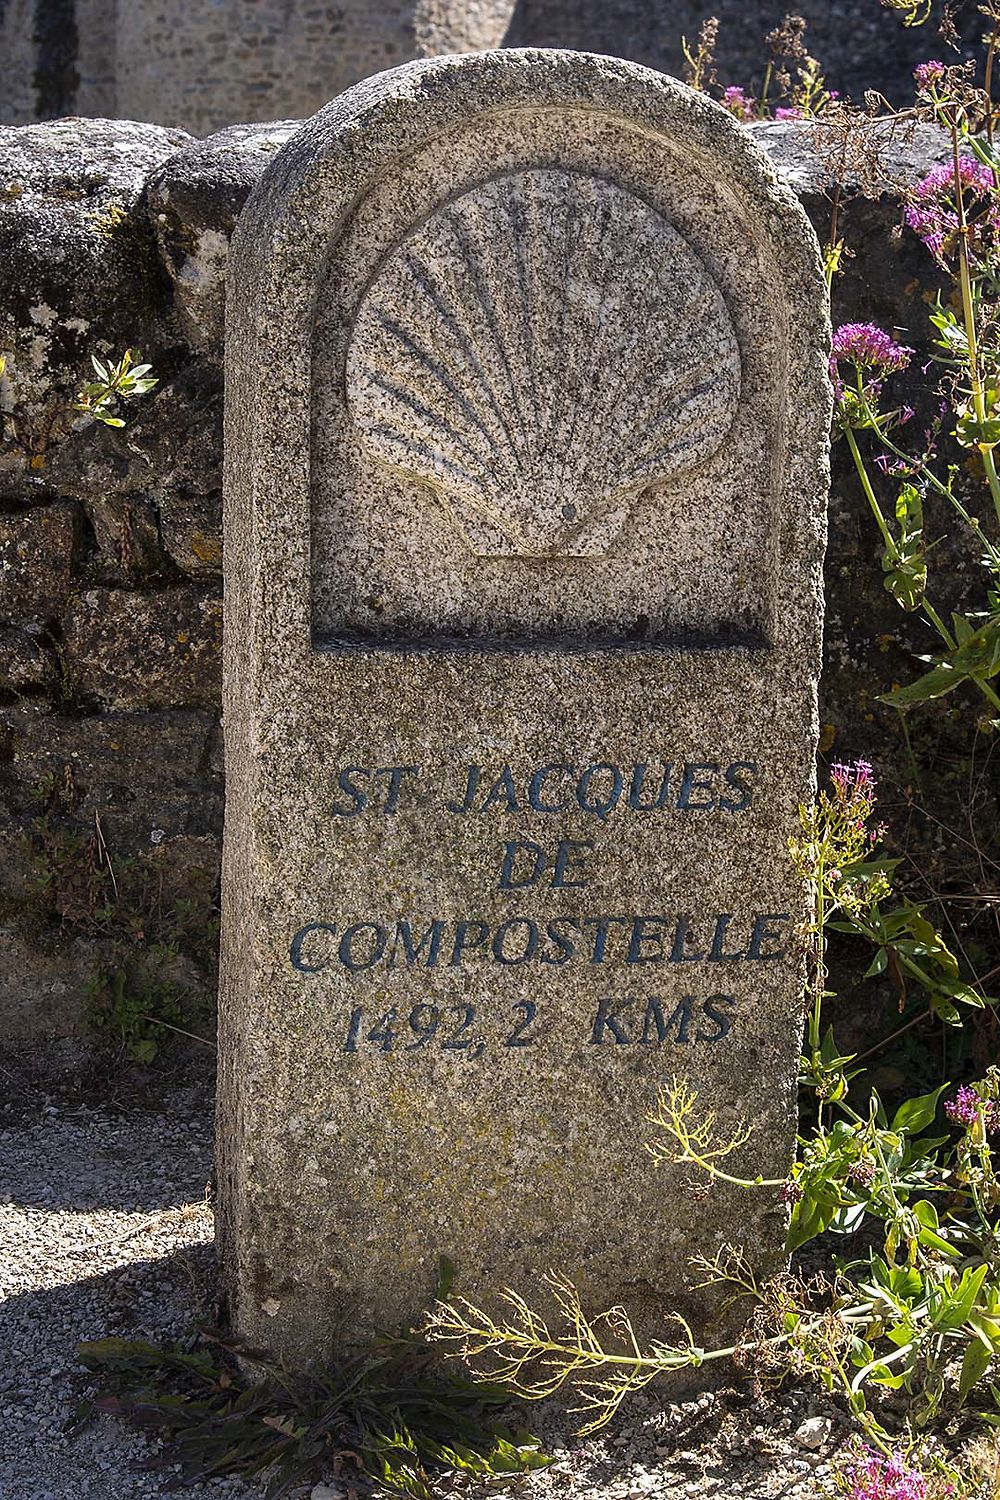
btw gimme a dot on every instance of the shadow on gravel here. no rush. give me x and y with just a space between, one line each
155 1298
86 1162
158 1298
655 1450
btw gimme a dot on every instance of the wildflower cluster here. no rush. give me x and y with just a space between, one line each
955 211
854 788
870 355
950 201
868 347
791 76
833 849
968 1105
835 855
739 103
863 1473
927 74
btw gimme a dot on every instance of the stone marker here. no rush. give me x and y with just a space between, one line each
525 483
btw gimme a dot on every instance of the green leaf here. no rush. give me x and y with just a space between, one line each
446 1277
973 433
963 993
934 1241
878 963
914 1115
809 1218
905 563
945 1011
933 684
974 1367
987 1330
956 1308
925 1213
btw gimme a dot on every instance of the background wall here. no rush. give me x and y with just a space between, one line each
208 64
111 773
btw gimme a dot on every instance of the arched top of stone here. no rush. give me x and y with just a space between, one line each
754 317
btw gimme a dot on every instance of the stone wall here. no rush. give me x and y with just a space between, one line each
202 66
111 788
206 65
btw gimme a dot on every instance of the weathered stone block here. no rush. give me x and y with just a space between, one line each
30 665
37 550
43 988
80 270
153 491
524 543
159 650
193 201
150 777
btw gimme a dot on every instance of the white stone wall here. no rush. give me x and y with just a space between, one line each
17 62
204 64
97 58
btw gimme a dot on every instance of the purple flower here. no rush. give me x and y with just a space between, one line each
928 73
964 1108
869 347
788 112
862 1473
738 103
855 778
890 465
933 209
854 797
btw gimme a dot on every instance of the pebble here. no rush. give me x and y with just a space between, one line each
813 1433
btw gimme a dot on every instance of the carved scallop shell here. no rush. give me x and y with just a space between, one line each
542 349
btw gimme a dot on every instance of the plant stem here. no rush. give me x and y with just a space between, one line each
866 485
155 1021
893 551
969 317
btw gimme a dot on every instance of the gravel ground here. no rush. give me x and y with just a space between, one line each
104 1229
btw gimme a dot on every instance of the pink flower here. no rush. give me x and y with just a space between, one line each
890 465
928 73
933 209
862 1473
853 778
964 1107
738 103
788 112
869 347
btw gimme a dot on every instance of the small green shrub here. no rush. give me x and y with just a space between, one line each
136 1004
390 1413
